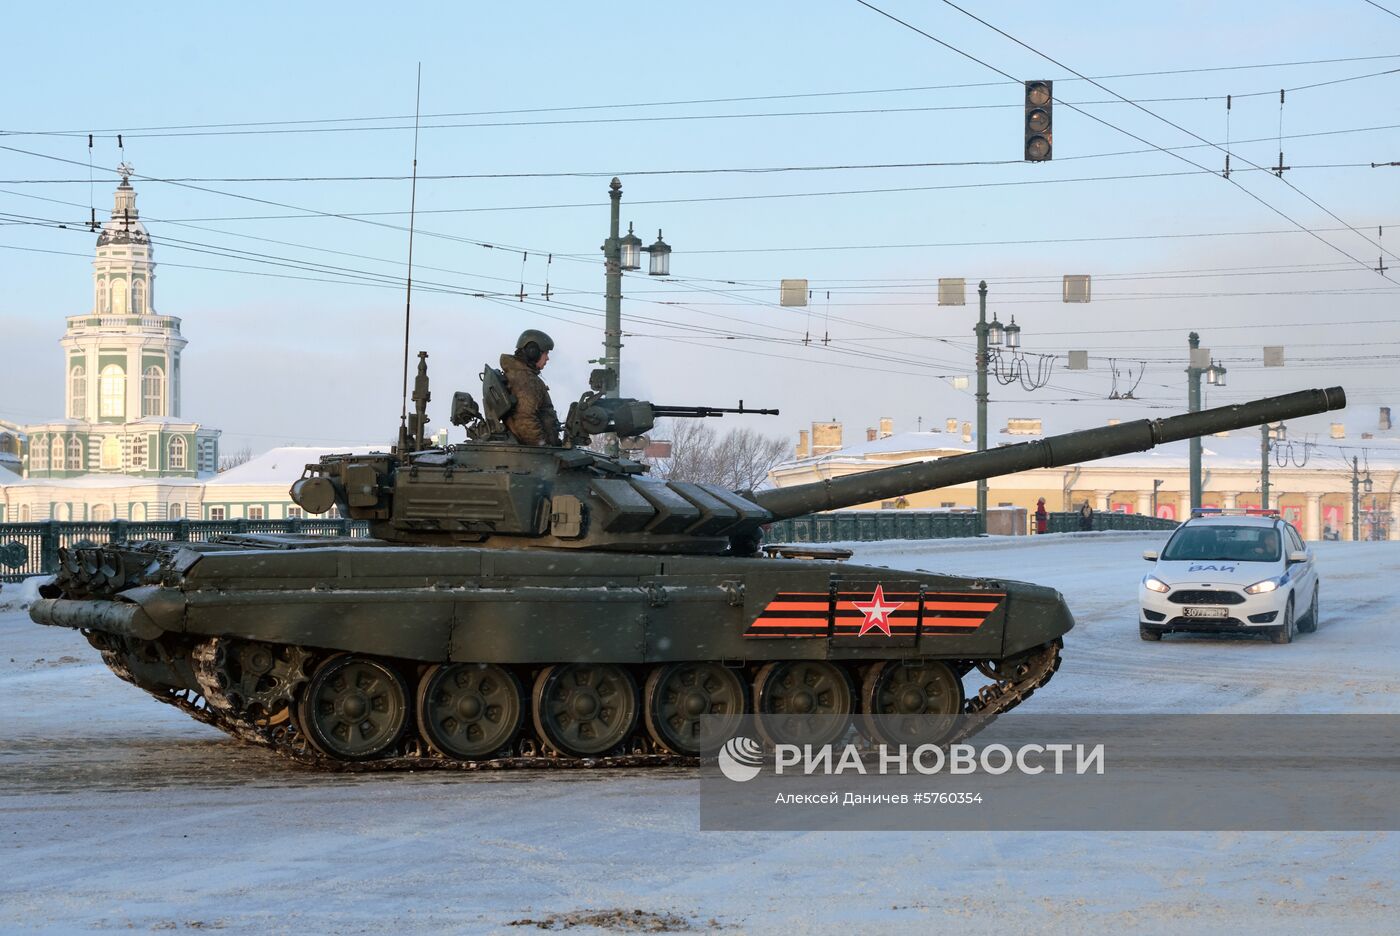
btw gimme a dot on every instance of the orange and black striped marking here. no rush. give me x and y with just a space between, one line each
794 614
839 614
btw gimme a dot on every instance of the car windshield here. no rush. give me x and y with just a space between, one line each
1227 543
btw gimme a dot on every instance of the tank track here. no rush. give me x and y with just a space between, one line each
1008 689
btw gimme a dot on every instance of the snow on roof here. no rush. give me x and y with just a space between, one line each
915 446
98 480
165 421
283 465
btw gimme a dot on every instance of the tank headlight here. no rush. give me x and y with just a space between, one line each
1153 583
1260 588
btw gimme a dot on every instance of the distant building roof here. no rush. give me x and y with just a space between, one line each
283 465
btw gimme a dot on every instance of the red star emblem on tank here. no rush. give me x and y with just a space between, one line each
877 612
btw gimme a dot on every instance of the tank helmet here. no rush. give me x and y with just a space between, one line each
533 344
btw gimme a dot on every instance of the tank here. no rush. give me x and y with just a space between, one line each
554 606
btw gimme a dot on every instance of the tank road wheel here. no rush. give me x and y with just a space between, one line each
354 708
585 709
678 694
912 703
469 710
788 693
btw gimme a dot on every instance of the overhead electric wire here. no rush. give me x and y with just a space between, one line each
1382 9
137 132
1176 126
740 170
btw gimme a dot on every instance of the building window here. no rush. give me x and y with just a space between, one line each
138 451
216 513
294 513
75 454
255 513
138 296
77 392
23 513
177 452
119 305
101 296
111 453
39 454
153 392
56 453
101 512
175 511
113 391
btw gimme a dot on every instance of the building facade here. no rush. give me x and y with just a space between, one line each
122 446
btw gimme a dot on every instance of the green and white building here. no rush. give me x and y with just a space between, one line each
122 449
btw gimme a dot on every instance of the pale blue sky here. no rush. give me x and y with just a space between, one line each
275 360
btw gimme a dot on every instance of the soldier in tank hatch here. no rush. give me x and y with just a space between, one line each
533 420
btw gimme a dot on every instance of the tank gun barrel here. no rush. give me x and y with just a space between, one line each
700 412
595 414
1068 449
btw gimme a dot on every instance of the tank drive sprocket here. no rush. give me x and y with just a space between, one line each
247 677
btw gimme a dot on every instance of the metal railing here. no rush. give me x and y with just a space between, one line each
32 548
871 525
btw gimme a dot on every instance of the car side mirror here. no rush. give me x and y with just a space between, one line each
1298 556
1150 555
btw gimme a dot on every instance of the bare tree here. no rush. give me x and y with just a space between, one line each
234 459
739 460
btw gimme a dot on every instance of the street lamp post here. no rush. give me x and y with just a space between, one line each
1358 484
982 352
622 253
1264 466
1193 405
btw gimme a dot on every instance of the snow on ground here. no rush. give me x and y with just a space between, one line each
120 813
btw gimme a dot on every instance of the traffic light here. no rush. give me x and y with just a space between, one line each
1039 100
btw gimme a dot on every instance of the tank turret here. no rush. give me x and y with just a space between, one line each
494 492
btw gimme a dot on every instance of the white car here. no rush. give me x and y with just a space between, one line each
1231 572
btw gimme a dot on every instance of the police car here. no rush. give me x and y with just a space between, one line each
1245 571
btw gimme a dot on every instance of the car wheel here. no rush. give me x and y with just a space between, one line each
1284 632
1309 624
1149 633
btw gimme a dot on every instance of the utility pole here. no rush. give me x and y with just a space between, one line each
1355 500
1193 405
982 400
1264 466
1156 483
612 328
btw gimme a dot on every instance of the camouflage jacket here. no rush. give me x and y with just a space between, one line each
533 421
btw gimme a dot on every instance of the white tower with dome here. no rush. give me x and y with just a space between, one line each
121 377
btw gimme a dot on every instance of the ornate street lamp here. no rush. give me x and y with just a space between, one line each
660 256
630 250
994 331
1013 335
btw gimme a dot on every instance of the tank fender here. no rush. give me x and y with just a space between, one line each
111 617
1035 615
164 606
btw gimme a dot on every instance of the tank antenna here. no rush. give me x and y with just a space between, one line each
408 297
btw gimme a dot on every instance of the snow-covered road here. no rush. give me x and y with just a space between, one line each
120 813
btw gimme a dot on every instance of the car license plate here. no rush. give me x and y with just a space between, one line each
1206 612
